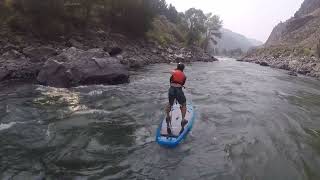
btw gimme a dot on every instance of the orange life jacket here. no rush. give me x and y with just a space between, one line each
178 77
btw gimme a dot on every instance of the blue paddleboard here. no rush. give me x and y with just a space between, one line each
173 139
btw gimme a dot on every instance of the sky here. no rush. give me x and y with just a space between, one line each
252 18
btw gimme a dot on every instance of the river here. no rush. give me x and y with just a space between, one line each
252 123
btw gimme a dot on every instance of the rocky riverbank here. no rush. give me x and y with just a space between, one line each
293 45
309 66
98 57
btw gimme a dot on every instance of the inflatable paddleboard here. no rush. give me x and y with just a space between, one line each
173 139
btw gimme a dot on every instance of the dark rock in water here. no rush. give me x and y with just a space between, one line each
4 74
284 66
104 71
39 54
304 72
292 73
240 60
76 67
214 58
263 63
54 74
115 51
135 62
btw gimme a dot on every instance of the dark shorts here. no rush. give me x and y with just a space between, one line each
176 93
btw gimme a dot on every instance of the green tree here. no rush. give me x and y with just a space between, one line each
40 17
196 22
172 14
131 16
213 26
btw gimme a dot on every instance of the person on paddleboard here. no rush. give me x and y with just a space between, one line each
177 81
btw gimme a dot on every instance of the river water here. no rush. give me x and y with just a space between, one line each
252 123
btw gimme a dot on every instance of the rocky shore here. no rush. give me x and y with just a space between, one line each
97 58
309 66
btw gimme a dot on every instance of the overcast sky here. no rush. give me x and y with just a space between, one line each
252 18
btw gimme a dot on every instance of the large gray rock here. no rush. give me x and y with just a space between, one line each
75 43
136 62
76 67
39 54
55 74
263 63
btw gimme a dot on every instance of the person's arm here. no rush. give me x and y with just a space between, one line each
171 72
184 81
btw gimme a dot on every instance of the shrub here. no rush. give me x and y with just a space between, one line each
164 32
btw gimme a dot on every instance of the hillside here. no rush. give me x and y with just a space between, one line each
230 41
301 30
294 44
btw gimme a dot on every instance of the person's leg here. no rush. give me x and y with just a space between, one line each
171 96
183 107
168 109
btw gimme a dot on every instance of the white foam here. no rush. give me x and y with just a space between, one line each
95 92
92 111
6 126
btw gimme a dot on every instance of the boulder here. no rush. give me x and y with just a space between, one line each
292 73
4 74
179 57
214 58
75 43
54 74
263 63
76 67
115 51
169 50
135 62
303 71
39 54
283 66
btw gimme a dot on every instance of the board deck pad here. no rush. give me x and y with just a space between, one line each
176 119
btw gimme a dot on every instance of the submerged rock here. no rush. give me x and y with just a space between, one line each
292 73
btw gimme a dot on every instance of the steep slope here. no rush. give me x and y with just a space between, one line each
300 30
308 6
293 45
231 40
